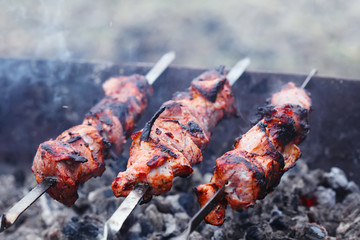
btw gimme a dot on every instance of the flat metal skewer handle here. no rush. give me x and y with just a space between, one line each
115 222
202 213
12 215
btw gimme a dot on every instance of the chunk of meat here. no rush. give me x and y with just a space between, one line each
78 153
261 156
173 139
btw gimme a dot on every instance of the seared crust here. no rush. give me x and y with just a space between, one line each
78 153
173 139
261 155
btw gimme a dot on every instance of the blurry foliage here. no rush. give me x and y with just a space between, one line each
281 36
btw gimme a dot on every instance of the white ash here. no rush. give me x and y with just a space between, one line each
325 197
336 178
307 204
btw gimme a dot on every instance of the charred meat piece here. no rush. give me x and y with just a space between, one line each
78 153
173 139
260 156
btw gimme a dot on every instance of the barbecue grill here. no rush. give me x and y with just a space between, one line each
39 99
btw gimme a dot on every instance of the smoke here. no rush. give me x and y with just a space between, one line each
53 41
33 29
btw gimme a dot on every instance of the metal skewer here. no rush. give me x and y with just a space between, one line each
236 71
13 214
308 78
209 206
115 222
160 67
200 215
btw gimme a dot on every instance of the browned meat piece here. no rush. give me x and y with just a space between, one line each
173 139
78 153
126 98
260 156
291 95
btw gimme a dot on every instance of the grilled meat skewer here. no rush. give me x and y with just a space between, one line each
78 153
173 140
261 156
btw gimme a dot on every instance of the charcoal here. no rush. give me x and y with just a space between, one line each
305 201
48 208
54 232
100 203
8 190
255 233
196 236
170 225
352 199
336 178
135 231
182 184
279 222
314 232
353 187
81 205
187 201
218 235
20 177
163 204
174 224
169 203
325 197
84 228
152 221
349 230
182 220
350 217
208 231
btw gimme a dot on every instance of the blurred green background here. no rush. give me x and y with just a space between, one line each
278 36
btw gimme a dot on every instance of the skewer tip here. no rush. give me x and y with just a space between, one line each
308 78
247 60
236 71
160 66
170 55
